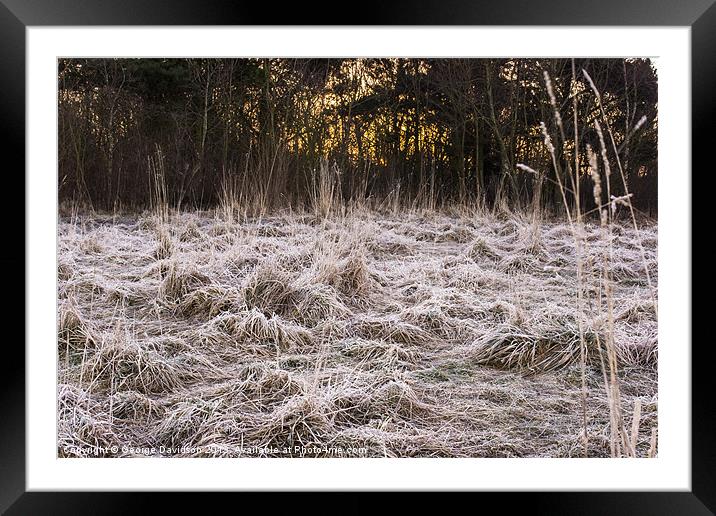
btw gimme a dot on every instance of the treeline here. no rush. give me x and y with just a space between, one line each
421 130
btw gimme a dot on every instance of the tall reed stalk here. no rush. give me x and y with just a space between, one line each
623 441
325 194
158 185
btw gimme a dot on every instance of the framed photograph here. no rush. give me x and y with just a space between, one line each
435 249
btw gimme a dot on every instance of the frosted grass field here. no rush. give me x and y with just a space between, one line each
406 334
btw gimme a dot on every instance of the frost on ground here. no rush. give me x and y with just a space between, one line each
378 335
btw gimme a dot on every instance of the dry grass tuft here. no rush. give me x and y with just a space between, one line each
433 315
637 311
183 421
303 421
388 396
84 429
480 249
519 263
392 329
275 292
165 246
538 349
271 291
207 301
90 244
148 223
350 276
74 334
134 406
177 282
379 354
64 270
255 326
502 312
121 365
319 303
190 233
642 354
270 385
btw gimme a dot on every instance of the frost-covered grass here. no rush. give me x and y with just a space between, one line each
413 334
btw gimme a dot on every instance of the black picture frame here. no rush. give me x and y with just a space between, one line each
17 15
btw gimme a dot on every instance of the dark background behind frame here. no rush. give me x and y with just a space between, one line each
15 15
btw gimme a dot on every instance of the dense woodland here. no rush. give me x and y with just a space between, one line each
434 131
